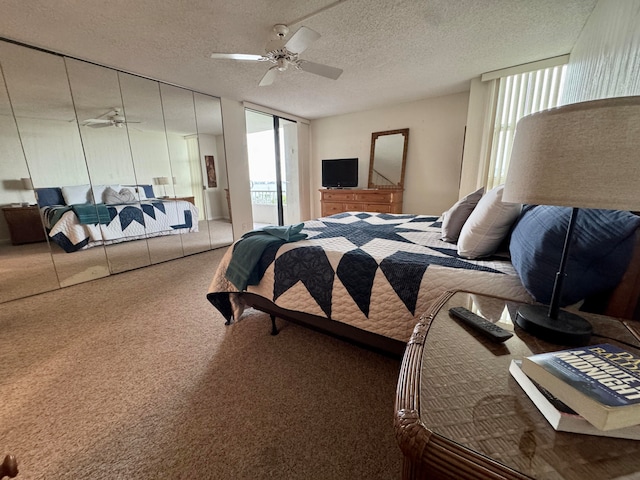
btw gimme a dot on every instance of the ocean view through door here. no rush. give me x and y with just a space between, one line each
273 169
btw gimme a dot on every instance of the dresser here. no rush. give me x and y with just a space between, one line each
335 201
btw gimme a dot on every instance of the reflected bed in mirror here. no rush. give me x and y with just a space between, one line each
121 214
388 159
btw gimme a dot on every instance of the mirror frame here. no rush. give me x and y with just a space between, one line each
374 136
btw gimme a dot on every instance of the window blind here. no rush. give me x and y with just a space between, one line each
520 95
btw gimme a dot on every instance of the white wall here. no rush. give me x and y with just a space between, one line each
434 157
605 61
235 146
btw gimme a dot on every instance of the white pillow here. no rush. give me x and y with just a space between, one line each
133 190
454 218
488 225
74 194
98 192
142 195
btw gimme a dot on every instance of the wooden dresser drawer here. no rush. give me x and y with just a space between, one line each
374 197
332 208
338 196
363 200
353 207
376 207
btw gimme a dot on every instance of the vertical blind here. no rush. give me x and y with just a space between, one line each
520 95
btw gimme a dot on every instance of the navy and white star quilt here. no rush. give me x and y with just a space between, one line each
374 271
132 221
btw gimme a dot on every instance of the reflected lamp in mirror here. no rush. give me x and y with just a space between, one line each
582 155
388 159
164 181
27 184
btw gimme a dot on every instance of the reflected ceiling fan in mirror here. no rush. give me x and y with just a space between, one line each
112 118
283 52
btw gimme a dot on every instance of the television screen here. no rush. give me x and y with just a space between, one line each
340 172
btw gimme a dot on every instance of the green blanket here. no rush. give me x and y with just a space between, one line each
89 214
242 270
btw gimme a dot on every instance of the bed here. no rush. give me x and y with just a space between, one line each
75 221
366 277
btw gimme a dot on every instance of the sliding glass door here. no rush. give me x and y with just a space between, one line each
272 145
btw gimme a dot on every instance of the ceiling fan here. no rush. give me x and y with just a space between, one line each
112 118
283 53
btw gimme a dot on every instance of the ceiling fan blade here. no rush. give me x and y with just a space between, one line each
238 56
269 77
95 121
319 69
301 40
98 125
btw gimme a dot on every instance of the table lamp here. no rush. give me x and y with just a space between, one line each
164 181
582 155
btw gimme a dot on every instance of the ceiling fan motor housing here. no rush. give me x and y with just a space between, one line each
281 30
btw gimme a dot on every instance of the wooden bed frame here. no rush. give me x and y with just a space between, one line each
622 302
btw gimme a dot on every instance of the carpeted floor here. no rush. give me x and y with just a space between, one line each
135 376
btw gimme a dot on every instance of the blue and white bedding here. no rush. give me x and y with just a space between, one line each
76 229
377 272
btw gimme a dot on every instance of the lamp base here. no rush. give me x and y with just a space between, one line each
567 329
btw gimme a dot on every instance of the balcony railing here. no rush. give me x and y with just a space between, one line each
266 197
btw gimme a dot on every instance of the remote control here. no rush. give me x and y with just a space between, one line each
484 326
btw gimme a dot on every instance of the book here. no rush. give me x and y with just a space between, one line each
559 415
600 382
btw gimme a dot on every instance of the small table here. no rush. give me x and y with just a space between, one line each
186 199
25 225
460 414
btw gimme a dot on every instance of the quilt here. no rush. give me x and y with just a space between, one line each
377 272
144 219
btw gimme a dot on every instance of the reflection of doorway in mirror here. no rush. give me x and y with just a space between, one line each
211 171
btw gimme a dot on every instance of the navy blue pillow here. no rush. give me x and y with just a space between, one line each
601 249
148 191
49 196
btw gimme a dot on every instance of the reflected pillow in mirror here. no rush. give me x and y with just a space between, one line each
125 195
454 218
75 194
142 195
133 190
147 190
98 192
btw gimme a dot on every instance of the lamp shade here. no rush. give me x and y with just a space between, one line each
27 184
163 180
584 155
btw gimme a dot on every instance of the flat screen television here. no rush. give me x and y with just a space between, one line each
340 173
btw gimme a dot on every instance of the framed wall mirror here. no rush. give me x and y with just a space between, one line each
388 159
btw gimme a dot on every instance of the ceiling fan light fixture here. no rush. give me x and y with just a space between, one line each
284 51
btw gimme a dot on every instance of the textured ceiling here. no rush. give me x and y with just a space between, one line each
390 51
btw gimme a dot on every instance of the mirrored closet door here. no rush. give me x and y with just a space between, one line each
209 144
26 265
38 90
102 172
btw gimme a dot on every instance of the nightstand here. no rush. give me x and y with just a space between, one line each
186 199
25 225
460 414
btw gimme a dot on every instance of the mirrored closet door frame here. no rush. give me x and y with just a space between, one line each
72 130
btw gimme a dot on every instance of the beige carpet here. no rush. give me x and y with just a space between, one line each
135 376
